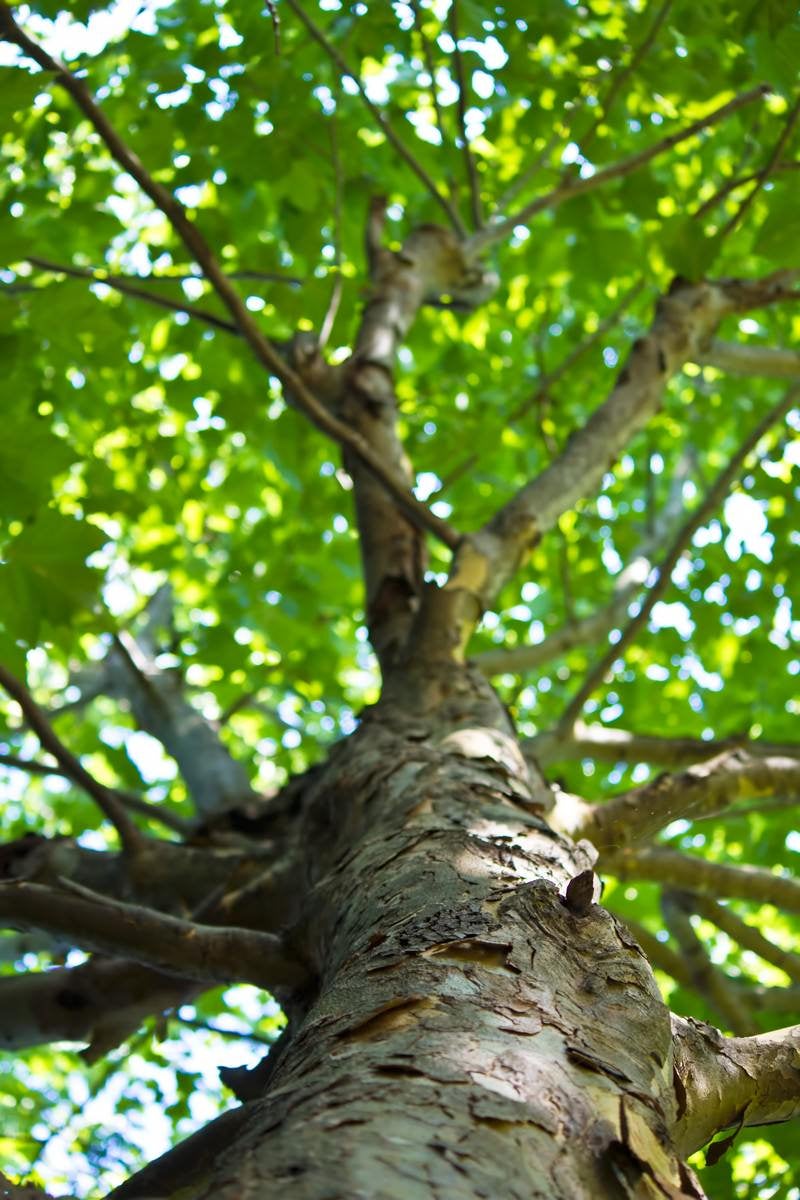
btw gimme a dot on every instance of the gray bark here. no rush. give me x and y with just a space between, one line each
475 1029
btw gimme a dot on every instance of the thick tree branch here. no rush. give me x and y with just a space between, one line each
705 789
732 1082
378 117
429 264
187 1166
578 187
130 837
608 744
689 873
167 875
188 232
100 1002
201 952
684 320
764 173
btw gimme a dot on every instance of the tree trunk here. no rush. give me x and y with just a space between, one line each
476 1029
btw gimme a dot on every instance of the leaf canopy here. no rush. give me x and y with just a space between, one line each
143 443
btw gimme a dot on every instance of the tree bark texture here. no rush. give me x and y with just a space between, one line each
474 1030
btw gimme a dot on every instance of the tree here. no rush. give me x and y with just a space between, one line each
397 521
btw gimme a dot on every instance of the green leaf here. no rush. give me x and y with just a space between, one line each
46 569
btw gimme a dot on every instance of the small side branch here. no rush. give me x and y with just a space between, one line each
620 78
130 837
763 175
739 358
728 1083
187 948
608 744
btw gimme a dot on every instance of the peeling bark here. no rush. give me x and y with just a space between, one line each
733 1082
475 1030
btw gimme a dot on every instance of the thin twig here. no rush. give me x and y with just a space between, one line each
431 70
130 837
663 572
578 187
326 328
461 82
209 1027
119 284
738 181
131 801
262 276
620 78
763 175
418 513
546 381
400 146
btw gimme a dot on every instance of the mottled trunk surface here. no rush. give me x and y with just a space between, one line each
471 1035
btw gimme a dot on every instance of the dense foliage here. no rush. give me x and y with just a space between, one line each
142 443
